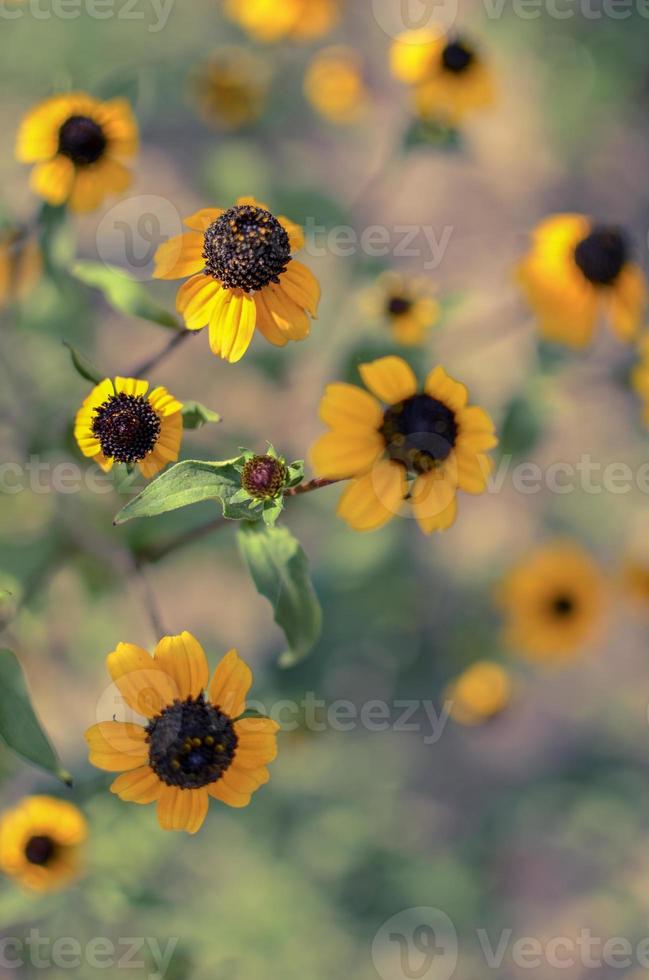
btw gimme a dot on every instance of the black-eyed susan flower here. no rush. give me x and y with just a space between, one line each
480 693
192 747
230 89
398 443
335 87
449 76
577 270
296 20
553 602
40 841
405 303
242 276
78 144
120 423
21 265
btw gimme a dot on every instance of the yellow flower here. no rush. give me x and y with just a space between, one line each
480 693
553 602
231 87
397 443
40 842
635 580
77 144
242 275
449 77
406 304
192 747
119 423
640 377
21 265
576 270
297 20
335 87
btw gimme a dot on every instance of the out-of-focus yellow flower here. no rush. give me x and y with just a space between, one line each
39 842
297 20
634 580
449 77
335 87
193 748
480 693
230 89
553 603
77 144
120 423
21 265
399 444
405 303
242 277
577 270
640 377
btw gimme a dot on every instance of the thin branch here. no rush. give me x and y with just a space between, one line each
156 359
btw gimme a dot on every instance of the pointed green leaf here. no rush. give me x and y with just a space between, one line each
189 482
280 570
195 415
83 366
19 726
124 293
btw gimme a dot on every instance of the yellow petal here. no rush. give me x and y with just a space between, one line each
117 746
286 314
340 454
201 220
433 502
294 232
180 809
139 786
473 471
266 325
53 180
226 794
344 406
244 781
301 286
145 687
181 256
183 658
372 500
440 386
391 379
232 324
230 684
131 386
628 301
195 300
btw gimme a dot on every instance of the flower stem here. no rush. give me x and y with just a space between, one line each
156 359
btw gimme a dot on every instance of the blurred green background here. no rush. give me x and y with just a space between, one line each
535 822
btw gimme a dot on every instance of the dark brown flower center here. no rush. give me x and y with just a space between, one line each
457 57
602 255
398 305
82 140
419 432
127 427
246 248
40 850
191 743
263 476
563 606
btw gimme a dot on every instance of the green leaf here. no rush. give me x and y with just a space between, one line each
124 293
189 482
280 570
83 366
433 134
19 726
57 238
521 428
195 415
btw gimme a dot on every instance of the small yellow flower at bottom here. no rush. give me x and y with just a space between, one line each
77 144
193 747
40 842
120 423
480 693
577 270
553 602
399 445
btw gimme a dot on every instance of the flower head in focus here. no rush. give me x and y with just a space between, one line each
122 422
77 144
553 603
40 841
242 277
397 444
193 747
577 270
447 73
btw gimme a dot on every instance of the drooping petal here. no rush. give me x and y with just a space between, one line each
195 300
390 378
232 324
301 285
287 315
294 232
183 658
372 500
